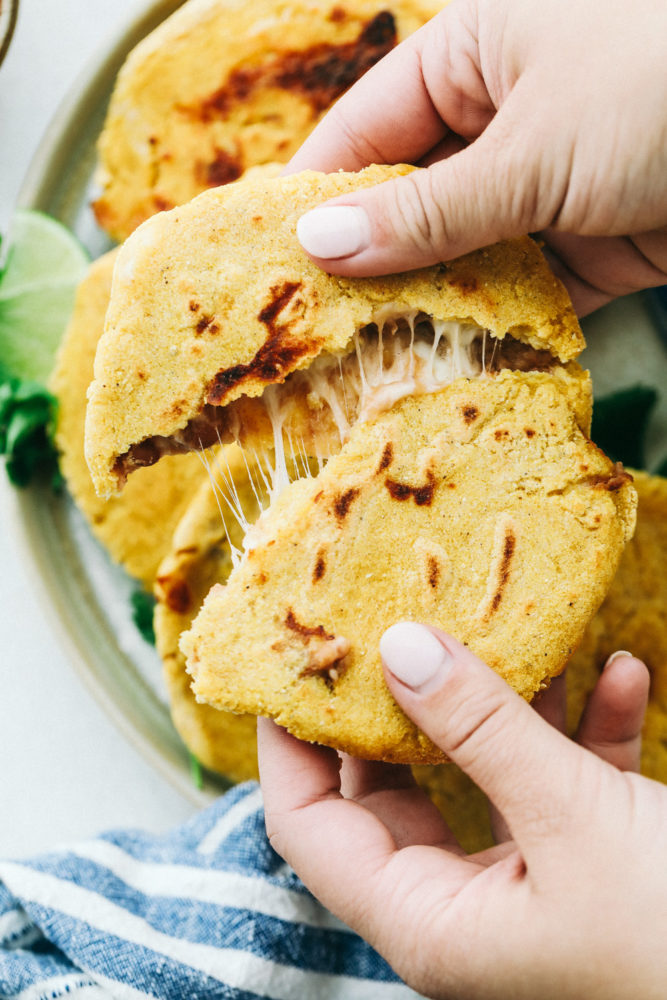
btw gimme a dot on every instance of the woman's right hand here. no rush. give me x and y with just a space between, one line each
544 117
573 907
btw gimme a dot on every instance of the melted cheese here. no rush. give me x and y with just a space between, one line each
400 354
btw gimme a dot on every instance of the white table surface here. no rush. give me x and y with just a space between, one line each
65 770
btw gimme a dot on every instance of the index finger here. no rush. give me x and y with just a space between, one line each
388 116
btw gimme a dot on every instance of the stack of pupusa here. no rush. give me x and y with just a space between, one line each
474 500
135 528
217 88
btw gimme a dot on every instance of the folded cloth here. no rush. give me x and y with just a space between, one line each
207 910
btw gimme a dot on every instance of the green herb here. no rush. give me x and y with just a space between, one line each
143 605
43 265
620 421
196 772
27 415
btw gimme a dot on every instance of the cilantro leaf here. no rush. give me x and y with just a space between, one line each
143 605
196 772
620 421
27 414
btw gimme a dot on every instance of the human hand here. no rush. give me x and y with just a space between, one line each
532 117
574 907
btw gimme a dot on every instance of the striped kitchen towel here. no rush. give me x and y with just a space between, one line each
208 910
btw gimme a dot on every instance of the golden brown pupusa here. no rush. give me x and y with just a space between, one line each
224 85
135 528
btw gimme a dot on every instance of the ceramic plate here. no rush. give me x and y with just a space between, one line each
88 596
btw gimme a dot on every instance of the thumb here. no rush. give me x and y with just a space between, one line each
484 193
529 770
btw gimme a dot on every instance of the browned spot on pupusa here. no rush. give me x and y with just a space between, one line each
175 593
281 295
320 566
277 355
422 495
178 408
222 169
530 432
305 631
162 204
503 570
320 74
467 283
342 502
207 324
387 457
433 567
470 413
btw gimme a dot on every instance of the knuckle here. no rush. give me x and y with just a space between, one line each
357 145
417 211
274 835
485 718
278 831
516 180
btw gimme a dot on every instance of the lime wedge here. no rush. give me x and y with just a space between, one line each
43 265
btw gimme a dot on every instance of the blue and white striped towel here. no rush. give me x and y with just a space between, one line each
208 910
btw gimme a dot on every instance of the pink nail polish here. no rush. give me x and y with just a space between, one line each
415 656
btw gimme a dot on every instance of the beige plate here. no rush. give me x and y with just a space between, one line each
87 596
8 13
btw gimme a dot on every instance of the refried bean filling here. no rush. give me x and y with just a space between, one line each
314 409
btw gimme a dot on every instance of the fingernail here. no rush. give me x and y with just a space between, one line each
331 233
616 656
414 656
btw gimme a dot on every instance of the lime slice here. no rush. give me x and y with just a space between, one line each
43 265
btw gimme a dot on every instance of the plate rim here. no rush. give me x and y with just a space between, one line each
81 102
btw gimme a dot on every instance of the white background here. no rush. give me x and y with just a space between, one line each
65 771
